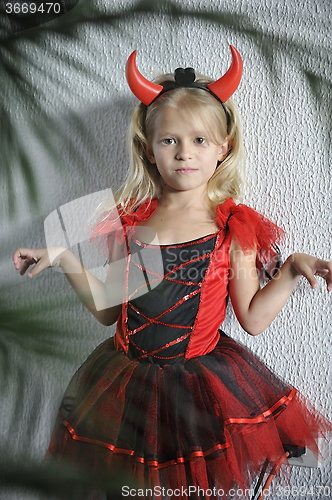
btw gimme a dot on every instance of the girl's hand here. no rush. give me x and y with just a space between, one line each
23 258
309 267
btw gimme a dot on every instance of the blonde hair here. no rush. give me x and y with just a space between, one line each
144 181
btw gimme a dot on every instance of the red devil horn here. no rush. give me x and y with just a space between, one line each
225 87
142 88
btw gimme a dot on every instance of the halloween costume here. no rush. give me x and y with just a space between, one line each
172 399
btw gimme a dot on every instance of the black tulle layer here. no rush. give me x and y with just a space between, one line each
211 421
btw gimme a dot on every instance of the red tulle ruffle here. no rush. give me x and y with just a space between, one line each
116 225
210 422
251 229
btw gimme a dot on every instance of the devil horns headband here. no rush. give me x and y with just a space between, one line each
221 89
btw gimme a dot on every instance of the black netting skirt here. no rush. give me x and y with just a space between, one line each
211 422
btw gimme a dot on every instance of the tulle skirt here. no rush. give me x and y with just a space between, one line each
205 426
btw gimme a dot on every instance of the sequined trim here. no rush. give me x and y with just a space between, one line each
155 351
166 277
175 268
176 245
184 264
156 319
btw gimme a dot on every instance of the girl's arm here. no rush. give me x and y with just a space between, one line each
94 294
256 308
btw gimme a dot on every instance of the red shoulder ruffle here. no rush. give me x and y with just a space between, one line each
251 229
116 223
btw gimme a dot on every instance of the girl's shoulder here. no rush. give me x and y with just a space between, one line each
120 216
250 228
113 224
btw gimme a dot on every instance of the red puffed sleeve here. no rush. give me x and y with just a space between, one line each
251 229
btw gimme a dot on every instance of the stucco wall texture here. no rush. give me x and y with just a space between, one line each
80 84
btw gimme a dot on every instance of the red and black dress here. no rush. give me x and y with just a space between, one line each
172 399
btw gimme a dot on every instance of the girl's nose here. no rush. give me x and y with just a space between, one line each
184 152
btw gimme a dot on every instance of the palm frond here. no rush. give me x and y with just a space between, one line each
16 59
33 103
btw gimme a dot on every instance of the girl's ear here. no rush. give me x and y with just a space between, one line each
149 153
225 147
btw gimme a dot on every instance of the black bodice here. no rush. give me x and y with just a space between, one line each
160 322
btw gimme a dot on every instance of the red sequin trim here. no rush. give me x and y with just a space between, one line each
156 320
183 299
165 357
176 245
166 275
153 353
176 268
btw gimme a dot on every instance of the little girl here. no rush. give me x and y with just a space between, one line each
171 399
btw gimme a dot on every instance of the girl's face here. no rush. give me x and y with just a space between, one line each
183 151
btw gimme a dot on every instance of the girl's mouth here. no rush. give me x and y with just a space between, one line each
186 170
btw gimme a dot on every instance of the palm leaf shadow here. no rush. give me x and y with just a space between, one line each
15 160
13 62
60 481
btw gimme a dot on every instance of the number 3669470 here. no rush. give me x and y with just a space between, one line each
31 8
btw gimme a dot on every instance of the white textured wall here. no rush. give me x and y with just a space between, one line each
286 132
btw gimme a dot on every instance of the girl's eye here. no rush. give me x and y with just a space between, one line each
200 140
168 141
